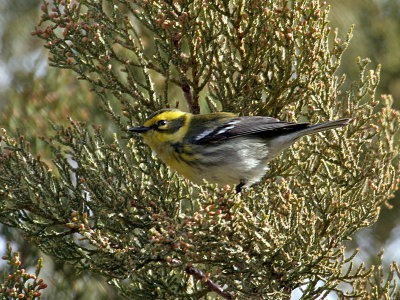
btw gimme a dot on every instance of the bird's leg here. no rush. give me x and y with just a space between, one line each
238 188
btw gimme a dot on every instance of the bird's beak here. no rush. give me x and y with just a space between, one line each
140 129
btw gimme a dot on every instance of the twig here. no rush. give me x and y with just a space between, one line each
196 273
193 105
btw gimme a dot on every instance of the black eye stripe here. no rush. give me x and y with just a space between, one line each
160 123
173 125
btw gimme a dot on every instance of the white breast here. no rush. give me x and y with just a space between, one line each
237 159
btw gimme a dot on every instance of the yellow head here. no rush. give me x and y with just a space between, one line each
164 126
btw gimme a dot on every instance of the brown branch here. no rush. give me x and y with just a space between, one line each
196 273
193 104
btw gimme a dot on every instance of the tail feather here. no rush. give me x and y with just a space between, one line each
278 144
325 126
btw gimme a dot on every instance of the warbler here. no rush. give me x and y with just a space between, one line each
222 147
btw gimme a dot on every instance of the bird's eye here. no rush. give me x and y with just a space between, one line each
162 123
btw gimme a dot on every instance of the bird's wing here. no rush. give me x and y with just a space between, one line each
264 127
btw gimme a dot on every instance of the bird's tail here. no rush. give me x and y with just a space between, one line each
281 142
325 126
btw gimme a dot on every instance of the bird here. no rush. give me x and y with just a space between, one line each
222 148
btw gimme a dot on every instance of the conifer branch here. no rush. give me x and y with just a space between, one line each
198 274
109 206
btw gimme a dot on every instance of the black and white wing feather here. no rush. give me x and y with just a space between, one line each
264 127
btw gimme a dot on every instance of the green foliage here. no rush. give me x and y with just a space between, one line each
30 110
19 284
114 209
382 284
377 36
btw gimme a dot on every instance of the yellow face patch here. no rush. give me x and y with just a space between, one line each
165 129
